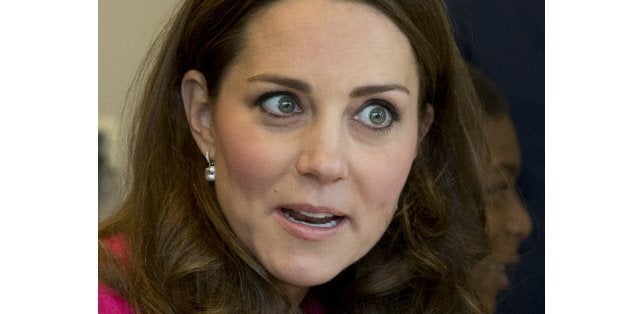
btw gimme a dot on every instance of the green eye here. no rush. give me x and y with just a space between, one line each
378 116
281 105
375 116
286 104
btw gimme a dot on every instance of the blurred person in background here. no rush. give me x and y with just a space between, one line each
505 39
507 220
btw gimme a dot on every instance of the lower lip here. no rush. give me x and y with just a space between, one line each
307 232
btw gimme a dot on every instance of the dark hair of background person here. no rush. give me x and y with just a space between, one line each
183 256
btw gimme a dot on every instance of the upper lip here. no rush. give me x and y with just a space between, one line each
312 209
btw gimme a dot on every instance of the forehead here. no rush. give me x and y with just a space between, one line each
334 34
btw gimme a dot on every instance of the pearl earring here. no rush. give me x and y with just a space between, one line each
210 171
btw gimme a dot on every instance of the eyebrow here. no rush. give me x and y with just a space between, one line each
281 80
376 89
306 88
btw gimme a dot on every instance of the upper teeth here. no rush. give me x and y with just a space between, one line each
315 215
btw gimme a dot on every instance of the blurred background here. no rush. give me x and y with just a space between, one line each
125 31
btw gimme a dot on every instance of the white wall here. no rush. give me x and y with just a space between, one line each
126 29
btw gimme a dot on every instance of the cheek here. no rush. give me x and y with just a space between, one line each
492 222
248 161
387 172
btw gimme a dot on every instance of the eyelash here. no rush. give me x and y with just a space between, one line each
394 113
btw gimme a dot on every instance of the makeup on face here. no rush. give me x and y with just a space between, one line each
314 131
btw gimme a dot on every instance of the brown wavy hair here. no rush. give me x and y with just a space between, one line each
182 255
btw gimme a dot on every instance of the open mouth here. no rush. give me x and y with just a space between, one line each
320 220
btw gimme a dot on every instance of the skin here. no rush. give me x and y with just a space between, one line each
507 221
334 58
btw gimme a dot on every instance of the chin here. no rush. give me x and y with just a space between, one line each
309 263
489 280
306 279
487 298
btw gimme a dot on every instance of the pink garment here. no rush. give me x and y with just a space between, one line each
118 245
109 302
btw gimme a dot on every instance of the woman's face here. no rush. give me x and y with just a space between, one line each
313 133
507 220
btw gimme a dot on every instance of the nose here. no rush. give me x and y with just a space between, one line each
520 223
323 155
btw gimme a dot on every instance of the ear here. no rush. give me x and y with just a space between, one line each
197 110
425 121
